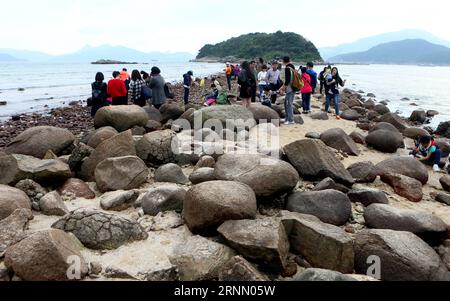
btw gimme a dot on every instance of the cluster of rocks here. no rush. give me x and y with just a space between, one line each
244 217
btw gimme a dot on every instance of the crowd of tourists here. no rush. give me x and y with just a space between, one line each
258 80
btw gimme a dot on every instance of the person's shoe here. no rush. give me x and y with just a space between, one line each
436 168
292 123
287 123
338 117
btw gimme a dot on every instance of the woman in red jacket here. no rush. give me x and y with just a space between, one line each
306 91
117 90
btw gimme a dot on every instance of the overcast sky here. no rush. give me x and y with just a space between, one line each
62 26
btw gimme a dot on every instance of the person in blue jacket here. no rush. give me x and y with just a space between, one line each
313 75
188 79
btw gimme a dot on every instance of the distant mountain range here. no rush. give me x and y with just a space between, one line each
89 54
412 51
367 43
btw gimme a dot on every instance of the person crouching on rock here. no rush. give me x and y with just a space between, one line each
117 90
99 93
428 152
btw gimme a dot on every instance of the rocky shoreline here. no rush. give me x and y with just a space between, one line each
126 206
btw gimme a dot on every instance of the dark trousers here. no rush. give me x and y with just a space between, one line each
158 106
186 95
254 91
434 160
306 102
229 82
322 87
120 101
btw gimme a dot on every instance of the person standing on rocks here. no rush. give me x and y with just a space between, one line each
254 69
306 91
157 84
124 76
117 90
247 83
237 70
273 80
187 84
332 90
136 86
313 76
99 93
228 73
287 77
322 80
262 81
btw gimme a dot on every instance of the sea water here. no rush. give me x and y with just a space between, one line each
54 85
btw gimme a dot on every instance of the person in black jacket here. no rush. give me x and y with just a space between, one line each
187 83
247 83
99 93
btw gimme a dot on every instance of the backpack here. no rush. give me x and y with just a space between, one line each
223 98
168 93
146 92
297 82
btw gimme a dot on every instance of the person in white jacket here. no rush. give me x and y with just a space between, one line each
262 80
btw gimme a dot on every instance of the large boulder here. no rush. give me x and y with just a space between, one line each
443 129
403 256
424 224
404 186
406 166
330 206
263 114
445 183
384 126
201 175
12 199
33 190
210 204
239 269
315 161
153 114
381 109
12 228
52 204
100 135
322 275
118 200
76 188
162 199
101 231
415 133
267 176
385 141
118 146
419 116
47 256
338 139
9 168
121 173
171 173
37 141
122 118
46 172
322 245
363 172
170 111
351 115
395 120
156 148
234 115
262 240
200 259
368 196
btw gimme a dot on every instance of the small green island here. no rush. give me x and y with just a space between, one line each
113 62
262 45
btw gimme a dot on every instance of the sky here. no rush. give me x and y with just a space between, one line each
64 26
